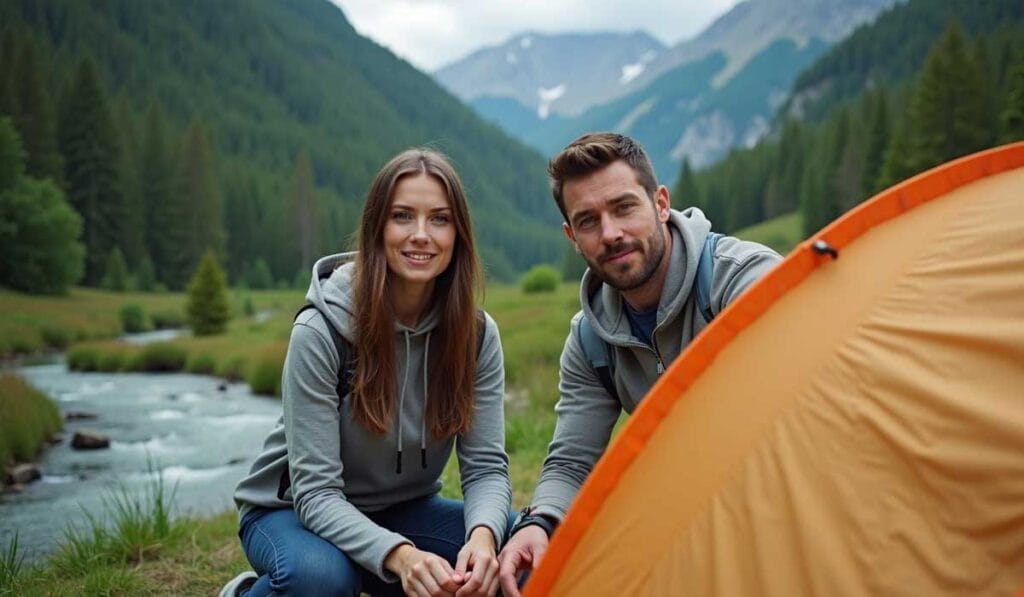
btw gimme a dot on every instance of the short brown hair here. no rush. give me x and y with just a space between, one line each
594 151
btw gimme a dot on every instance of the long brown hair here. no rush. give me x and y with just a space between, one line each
453 355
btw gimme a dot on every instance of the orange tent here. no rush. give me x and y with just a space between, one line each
853 425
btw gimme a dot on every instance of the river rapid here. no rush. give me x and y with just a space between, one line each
196 431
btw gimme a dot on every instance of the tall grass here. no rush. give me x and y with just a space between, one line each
27 419
132 528
10 567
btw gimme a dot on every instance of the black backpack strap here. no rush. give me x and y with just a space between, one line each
597 353
341 345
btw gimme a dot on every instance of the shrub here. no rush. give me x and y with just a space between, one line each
248 308
111 360
115 275
161 356
83 358
55 337
208 298
39 230
540 278
133 318
145 277
26 344
232 370
265 374
200 363
27 419
169 319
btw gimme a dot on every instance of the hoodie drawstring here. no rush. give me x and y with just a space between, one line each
423 418
401 403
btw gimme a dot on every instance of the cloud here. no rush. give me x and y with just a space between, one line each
432 33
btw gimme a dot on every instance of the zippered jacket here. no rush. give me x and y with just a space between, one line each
331 470
585 410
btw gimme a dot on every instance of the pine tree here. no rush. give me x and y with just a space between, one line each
89 144
145 275
34 118
201 195
948 112
8 51
207 298
39 248
687 192
115 278
165 213
895 162
133 230
878 138
1012 118
305 213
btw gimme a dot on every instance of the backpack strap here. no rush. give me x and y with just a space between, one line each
597 353
342 346
705 273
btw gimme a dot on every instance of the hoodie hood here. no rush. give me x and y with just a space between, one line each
602 304
331 290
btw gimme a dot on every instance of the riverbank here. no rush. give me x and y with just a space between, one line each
28 419
201 554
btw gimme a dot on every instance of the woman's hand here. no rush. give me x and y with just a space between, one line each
423 574
477 565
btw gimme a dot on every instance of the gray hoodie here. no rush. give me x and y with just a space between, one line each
339 470
586 412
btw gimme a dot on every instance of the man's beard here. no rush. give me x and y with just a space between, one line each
653 253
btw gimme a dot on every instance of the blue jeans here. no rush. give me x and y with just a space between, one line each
292 560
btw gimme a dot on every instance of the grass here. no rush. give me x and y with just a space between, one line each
198 555
781 233
34 323
27 419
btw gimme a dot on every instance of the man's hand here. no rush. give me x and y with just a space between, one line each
423 574
477 565
522 552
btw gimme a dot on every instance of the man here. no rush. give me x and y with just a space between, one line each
639 297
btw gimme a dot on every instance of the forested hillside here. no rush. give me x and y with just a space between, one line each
967 96
891 49
249 127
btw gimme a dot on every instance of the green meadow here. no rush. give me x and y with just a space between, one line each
144 552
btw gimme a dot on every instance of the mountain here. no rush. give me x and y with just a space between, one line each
706 95
890 50
752 26
928 81
267 81
560 74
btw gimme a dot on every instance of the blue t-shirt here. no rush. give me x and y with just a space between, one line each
642 323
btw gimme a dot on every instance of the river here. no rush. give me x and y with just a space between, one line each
199 433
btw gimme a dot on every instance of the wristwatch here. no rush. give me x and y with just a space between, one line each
526 519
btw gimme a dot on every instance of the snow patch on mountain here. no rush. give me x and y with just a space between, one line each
634 70
546 97
642 108
526 42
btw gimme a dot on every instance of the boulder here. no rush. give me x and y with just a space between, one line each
89 440
22 474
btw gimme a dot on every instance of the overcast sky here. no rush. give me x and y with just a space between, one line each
433 33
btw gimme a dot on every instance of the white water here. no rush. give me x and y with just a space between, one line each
202 439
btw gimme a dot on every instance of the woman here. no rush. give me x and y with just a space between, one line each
344 498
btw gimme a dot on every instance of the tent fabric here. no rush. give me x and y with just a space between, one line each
849 426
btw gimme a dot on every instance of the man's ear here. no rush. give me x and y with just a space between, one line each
662 203
567 229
